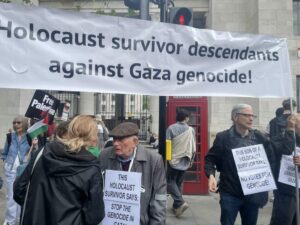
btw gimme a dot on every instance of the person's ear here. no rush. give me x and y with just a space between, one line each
136 140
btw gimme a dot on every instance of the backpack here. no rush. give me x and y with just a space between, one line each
8 138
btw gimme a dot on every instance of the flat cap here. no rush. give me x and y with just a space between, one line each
125 129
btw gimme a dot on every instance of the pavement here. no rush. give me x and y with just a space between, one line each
203 210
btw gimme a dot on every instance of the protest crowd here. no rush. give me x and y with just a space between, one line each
68 175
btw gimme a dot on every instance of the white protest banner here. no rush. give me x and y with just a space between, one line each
62 50
122 194
287 170
253 169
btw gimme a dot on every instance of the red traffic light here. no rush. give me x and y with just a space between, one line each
181 19
181 15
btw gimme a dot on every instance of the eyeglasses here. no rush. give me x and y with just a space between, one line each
247 115
17 122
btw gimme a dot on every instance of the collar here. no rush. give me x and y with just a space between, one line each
235 133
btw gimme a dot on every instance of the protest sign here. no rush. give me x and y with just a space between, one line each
109 54
253 169
287 170
42 105
122 194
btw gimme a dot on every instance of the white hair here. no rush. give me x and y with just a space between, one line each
238 108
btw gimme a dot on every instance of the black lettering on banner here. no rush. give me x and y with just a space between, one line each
20 32
138 72
42 34
146 45
220 77
69 69
226 53
55 36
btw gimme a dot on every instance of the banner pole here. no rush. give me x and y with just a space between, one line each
296 171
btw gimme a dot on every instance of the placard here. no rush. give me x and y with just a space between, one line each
41 105
122 193
253 169
287 170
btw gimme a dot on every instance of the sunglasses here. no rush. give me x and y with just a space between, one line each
17 122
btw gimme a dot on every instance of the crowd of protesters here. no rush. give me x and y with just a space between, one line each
62 179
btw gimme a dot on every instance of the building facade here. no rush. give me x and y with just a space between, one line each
279 18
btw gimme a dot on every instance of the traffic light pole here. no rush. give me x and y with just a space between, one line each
144 9
144 13
162 99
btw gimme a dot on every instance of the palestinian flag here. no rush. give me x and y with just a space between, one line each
37 128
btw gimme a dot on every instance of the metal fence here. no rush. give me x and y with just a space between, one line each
114 108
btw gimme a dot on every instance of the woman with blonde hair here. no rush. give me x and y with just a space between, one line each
65 183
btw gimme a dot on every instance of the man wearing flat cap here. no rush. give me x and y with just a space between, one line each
127 154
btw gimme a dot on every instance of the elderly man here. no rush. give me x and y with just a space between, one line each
220 157
127 155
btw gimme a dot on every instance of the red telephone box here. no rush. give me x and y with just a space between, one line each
195 181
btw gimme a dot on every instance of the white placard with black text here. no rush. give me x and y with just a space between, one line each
122 193
287 170
253 169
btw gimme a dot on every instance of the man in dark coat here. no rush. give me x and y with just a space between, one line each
284 204
220 157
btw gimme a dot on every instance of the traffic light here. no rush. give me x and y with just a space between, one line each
132 4
181 15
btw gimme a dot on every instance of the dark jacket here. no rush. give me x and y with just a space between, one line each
150 164
281 187
65 188
220 156
277 131
278 125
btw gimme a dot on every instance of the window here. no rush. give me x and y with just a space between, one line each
132 108
296 16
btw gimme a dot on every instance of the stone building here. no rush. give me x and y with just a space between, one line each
279 18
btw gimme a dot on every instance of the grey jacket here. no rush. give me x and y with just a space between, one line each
150 164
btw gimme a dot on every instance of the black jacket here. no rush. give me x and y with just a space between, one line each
281 187
65 188
278 125
277 131
220 156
